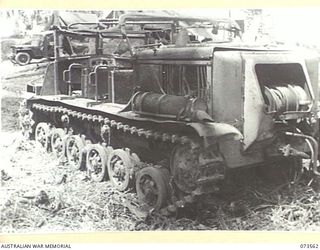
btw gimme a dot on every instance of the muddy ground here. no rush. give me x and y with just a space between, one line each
40 194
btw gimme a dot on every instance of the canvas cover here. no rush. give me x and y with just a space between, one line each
64 19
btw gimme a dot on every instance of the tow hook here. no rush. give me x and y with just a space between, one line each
313 145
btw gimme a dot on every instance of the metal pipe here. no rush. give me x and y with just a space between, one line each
310 146
96 79
145 17
314 152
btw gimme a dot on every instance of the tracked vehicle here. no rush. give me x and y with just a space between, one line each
167 106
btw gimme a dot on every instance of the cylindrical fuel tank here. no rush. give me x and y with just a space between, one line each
169 106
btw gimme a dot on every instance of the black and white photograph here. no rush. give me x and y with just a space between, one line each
159 120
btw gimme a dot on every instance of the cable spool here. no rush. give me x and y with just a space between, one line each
304 100
290 99
286 98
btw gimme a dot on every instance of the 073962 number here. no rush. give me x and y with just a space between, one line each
309 246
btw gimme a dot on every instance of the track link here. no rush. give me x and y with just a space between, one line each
148 134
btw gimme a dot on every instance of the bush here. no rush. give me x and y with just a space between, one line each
5 47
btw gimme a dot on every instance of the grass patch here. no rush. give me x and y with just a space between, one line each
9 113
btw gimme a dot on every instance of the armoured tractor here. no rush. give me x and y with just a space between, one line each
168 106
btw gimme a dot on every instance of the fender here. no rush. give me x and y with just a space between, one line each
29 51
212 131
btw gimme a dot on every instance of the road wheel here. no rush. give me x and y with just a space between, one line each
57 142
151 186
23 58
120 168
96 163
74 146
42 134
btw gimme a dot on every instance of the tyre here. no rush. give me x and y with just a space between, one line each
23 58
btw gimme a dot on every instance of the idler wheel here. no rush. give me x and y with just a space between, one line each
120 168
151 187
57 142
74 146
42 134
96 162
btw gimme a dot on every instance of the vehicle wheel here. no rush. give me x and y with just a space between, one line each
120 169
74 146
151 186
57 142
42 133
96 163
23 58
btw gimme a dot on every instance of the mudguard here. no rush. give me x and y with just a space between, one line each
216 130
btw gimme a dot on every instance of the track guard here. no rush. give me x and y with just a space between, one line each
214 130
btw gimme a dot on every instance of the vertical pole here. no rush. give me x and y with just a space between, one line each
99 44
56 57
112 85
173 30
84 82
96 83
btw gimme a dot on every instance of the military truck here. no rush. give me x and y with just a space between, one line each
41 45
37 47
170 111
